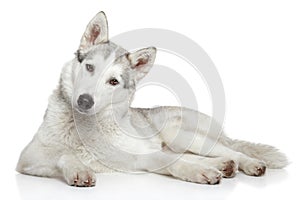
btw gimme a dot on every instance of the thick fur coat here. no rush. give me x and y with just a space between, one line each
89 126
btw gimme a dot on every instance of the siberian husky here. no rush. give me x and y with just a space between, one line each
89 126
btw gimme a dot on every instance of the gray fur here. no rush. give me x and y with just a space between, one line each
125 77
112 136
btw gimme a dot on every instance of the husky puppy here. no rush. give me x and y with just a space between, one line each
89 126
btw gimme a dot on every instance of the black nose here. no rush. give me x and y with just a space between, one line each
85 101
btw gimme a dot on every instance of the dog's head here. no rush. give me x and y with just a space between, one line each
104 73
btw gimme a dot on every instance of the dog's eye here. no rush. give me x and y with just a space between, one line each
113 81
89 67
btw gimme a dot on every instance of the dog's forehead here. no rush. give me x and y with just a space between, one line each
106 51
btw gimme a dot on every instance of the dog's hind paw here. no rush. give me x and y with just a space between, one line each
228 168
254 167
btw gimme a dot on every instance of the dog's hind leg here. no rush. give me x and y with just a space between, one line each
184 130
206 146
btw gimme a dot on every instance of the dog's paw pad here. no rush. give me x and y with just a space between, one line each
212 180
260 171
82 179
254 168
229 169
210 176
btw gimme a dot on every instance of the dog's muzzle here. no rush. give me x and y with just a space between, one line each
85 101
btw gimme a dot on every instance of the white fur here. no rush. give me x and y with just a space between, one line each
74 144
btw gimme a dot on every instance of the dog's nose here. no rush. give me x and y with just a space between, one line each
85 101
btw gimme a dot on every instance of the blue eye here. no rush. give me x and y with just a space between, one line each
89 67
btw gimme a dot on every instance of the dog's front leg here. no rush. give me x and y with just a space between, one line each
75 172
194 172
170 163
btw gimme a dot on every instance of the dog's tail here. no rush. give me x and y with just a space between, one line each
269 154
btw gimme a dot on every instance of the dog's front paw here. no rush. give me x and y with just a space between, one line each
210 176
81 178
196 173
253 167
203 175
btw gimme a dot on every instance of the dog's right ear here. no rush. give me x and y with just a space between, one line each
96 32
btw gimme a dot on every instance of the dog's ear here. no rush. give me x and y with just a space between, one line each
141 61
96 32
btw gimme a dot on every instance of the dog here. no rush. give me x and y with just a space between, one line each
89 126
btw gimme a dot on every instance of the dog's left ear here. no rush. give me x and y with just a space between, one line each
96 32
141 61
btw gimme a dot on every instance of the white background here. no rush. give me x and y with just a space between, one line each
255 46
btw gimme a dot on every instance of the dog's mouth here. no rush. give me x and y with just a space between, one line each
84 112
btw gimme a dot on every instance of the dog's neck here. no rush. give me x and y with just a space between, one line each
116 112
113 116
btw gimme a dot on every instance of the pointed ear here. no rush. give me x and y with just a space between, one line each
96 32
141 61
